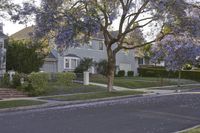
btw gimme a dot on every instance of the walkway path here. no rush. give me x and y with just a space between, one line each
156 90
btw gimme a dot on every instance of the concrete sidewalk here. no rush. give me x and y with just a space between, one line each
156 90
151 91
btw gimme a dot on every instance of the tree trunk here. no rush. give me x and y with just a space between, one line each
179 78
111 69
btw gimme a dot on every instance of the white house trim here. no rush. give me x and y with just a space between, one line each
70 62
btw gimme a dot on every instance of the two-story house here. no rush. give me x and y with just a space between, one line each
70 58
2 51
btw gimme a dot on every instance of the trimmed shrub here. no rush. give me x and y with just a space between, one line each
130 73
102 67
37 83
65 78
187 67
84 65
121 73
155 72
16 80
5 81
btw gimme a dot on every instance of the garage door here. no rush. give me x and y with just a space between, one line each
125 67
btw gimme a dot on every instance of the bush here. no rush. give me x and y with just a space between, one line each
187 67
37 83
155 72
16 80
84 65
65 78
5 81
121 73
102 67
130 73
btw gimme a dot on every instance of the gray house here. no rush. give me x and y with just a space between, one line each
2 51
70 58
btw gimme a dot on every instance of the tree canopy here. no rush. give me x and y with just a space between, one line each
24 56
176 52
71 22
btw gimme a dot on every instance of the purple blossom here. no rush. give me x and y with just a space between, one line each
176 52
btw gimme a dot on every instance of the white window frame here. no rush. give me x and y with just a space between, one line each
70 62
101 44
1 44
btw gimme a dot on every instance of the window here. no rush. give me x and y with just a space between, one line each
1 45
89 44
140 61
71 62
66 63
100 45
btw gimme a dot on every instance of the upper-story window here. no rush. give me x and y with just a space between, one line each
1 45
89 45
100 46
140 61
1 28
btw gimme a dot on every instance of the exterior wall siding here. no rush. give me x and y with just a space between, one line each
92 51
2 54
125 60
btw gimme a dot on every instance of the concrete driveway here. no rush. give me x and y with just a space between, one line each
151 114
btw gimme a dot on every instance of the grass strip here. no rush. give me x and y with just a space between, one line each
97 95
196 130
18 103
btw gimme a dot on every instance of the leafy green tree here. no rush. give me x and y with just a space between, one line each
24 56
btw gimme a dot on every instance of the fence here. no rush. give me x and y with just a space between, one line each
82 78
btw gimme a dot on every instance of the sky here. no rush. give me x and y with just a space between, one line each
10 27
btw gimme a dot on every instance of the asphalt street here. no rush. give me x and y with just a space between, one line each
157 114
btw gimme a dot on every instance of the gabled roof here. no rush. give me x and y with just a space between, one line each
23 34
72 55
53 54
2 35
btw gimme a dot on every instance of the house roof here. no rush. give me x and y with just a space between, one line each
2 35
72 55
23 34
53 54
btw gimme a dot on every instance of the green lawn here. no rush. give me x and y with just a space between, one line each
56 89
139 82
196 130
96 95
18 103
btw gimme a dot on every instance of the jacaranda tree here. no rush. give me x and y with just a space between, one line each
7 7
176 52
71 22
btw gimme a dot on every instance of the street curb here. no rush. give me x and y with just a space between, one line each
65 103
188 129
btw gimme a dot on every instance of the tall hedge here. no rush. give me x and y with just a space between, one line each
161 72
24 56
